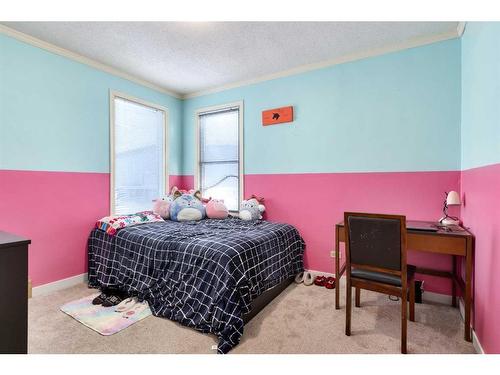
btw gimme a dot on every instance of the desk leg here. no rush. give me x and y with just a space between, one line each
453 283
468 290
337 269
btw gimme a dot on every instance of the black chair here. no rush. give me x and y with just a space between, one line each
376 261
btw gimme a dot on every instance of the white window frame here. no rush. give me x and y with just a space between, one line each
197 169
165 175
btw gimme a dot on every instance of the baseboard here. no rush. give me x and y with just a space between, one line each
436 298
475 340
45 289
477 344
461 308
426 296
318 273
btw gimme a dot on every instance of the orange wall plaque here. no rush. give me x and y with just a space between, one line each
277 116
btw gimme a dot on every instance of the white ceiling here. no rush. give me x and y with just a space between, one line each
187 57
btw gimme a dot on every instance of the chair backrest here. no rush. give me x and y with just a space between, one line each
376 242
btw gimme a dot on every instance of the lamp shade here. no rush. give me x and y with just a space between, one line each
453 199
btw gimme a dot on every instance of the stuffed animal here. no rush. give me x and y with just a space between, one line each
191 191
216 209
187 207
162 206
251 209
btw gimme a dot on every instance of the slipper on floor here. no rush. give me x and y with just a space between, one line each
330 282
112 301
320 280
308 278
299 278
126 304
99 299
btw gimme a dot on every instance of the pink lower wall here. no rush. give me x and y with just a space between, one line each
56 210
481 212
182 182
315 202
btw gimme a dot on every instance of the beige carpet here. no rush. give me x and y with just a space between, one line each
301 320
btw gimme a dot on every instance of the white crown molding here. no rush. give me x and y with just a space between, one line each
412 43
82 59
415 42
461 28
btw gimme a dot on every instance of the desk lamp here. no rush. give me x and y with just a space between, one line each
452 199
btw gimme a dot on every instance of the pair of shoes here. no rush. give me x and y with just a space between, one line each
304 277
107 299
130 307
330 283
126 304
320 280
99 299
327 282
112 300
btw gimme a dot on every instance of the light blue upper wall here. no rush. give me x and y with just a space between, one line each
396 112
54 112
481 94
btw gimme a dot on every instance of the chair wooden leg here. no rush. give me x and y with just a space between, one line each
404 309
348 306
412 301
358 297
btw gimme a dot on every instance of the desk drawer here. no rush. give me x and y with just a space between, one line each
437 244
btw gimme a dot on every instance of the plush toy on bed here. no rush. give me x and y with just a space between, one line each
187 207
216 209
252 209
162 206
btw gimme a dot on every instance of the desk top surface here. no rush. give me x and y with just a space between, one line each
9 240
430 227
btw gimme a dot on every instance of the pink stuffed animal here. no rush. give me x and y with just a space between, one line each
216 209
162 206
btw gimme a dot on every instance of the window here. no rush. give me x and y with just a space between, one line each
219 162
138 154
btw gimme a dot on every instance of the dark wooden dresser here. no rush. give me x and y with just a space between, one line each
13 293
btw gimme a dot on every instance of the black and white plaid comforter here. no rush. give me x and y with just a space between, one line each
201 274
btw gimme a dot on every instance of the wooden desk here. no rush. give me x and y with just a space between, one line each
441 242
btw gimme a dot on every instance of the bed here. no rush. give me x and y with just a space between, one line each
212 275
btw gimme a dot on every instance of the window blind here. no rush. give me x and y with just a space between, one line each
139 161
219 156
